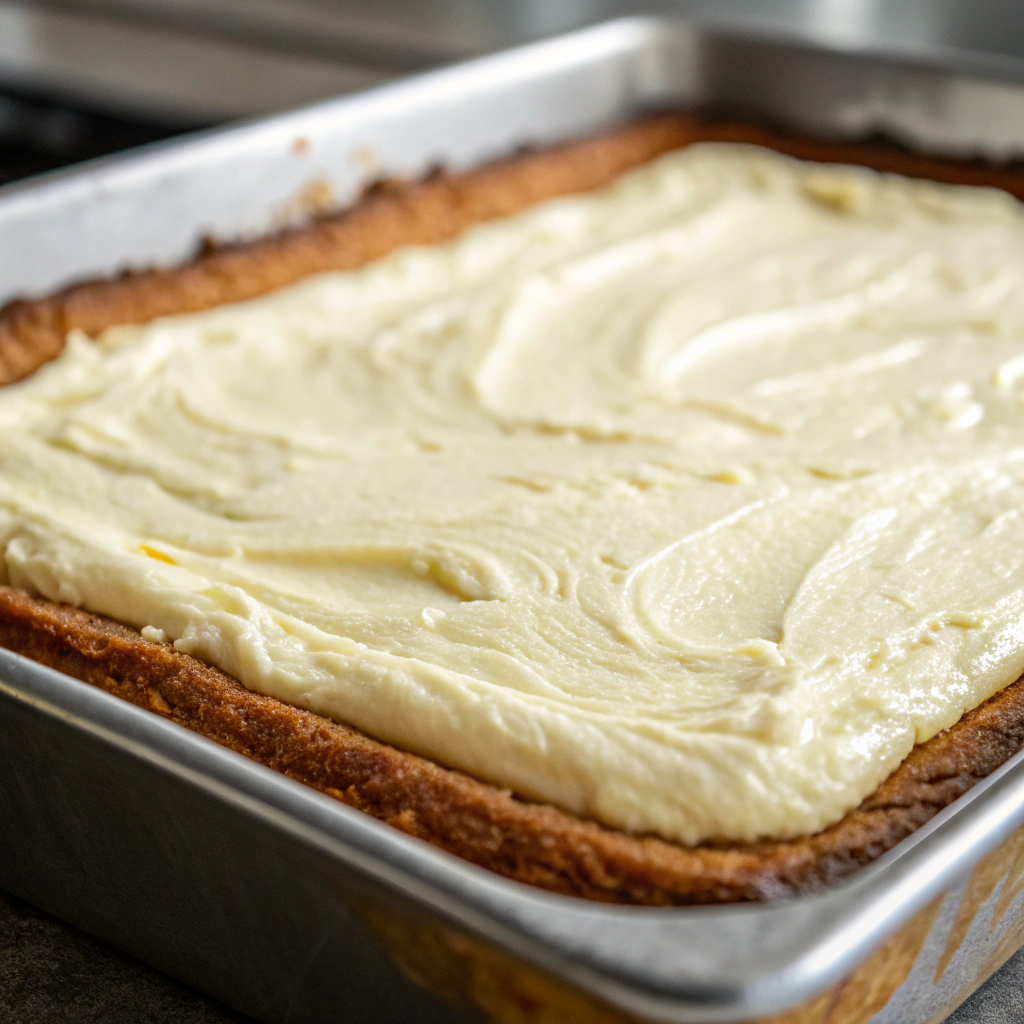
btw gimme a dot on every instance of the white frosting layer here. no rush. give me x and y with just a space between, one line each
691 504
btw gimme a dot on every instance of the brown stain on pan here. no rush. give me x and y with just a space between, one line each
467 970
866 991
1003 866
461 968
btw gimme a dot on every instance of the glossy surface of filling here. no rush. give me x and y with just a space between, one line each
690 504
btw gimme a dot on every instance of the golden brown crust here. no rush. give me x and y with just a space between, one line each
388 216
33 331
533 843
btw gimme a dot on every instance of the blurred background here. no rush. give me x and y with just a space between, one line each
80 78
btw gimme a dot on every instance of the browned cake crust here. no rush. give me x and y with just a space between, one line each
533 843
394 214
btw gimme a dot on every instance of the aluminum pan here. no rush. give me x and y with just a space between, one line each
697 964
154 206
700 964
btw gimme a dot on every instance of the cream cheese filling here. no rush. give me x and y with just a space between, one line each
691 504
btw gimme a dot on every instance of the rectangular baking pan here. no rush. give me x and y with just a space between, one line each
292 907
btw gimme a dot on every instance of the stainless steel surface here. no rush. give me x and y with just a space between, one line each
251 884
248 885
244 180
404 34
199 60
128 834
164 74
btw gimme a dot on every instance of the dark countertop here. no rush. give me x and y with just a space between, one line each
51 973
